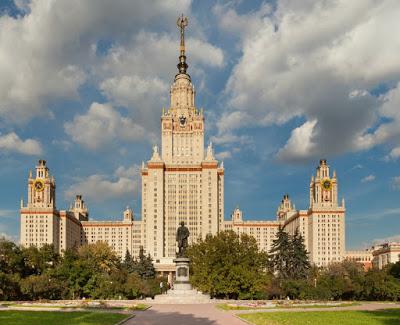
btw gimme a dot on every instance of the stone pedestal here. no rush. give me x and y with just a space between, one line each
182 292
182 274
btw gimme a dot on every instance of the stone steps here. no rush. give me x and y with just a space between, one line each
183 297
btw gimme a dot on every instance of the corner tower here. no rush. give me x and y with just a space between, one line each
183 182
326 241
40 219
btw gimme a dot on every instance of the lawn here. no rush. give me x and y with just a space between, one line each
244 307
379 317
16 317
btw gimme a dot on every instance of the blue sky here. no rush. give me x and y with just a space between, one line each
283 84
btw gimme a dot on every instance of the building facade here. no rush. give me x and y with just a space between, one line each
42 223
384 254
322 225
184 182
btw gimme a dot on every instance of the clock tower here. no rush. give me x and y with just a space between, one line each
326 218
41 188
40 220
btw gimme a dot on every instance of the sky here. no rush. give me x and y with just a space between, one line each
282 83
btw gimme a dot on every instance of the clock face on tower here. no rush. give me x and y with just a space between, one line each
182 120
326 184
39 185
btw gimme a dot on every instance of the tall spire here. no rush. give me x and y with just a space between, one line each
182 22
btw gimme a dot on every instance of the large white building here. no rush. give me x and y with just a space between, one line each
184 182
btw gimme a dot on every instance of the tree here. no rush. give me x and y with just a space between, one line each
11 258
379 285
101 256
144 265
41 286
37 260
129 262
394 270
281 254
228 265
299 265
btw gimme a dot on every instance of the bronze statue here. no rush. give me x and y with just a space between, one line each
182 235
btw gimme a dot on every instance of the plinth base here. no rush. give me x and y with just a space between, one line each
182 292
191 296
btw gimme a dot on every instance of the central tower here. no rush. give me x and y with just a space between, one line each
182 125
184 182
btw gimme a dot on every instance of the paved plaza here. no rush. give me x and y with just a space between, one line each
196 314
208 314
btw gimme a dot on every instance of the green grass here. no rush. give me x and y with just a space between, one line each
230 307
141 307
83 306
379 317
17 317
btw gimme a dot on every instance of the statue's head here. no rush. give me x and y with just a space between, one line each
182 223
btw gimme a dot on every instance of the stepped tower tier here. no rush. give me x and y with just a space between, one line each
41 188
323 187
182 125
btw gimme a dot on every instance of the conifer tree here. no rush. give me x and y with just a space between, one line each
300 264
129 262
280 254
144 265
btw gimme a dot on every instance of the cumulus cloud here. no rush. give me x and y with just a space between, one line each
367 179
99 187
11 142
132 89
300 143
318 60
223 155
102 125
38 68
393 154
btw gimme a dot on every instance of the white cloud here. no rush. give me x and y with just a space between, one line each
98 187
132 89
396 182
240 25
394 154
318 60
230 138
11 142
102 125
367 179
223 155
300 144
48 53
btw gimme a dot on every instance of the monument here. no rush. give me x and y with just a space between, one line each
181 260
182 291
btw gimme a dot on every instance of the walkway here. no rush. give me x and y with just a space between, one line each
208 314
200 314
